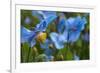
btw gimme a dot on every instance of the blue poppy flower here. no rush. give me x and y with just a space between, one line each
71 31
30 35
74 26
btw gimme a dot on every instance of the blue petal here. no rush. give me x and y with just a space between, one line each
57 40
61 25
44 23
73 36
25 34
69 23
28 36
77 23
80 22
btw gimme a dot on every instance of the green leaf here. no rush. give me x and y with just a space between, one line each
24 52
79 43
69 55
40 58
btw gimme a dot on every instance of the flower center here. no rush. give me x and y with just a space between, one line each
41 37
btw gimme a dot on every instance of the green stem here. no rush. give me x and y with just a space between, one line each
28 54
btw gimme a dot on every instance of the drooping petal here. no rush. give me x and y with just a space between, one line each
25 34
57 40
28 36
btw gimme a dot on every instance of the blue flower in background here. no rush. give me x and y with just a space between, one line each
30 35
27 20
85 37
74 26
71 28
